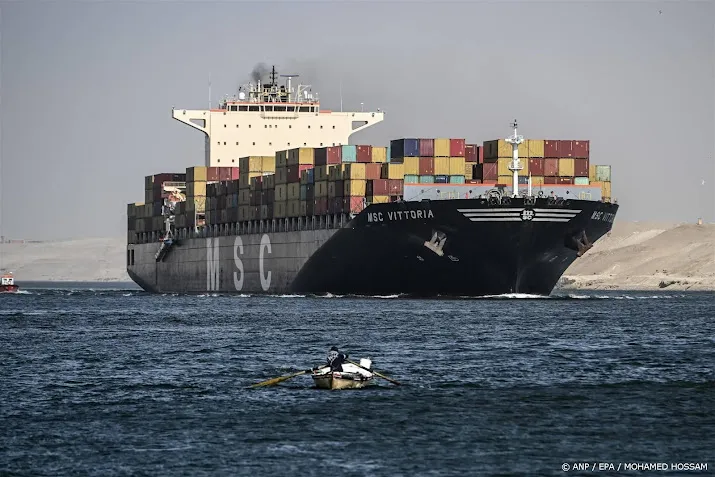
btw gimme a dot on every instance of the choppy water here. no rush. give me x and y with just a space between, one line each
118 382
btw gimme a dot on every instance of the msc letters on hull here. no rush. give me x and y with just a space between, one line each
213 264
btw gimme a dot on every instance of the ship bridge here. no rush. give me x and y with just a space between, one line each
264 118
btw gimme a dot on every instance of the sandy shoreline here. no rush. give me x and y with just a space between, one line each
635 256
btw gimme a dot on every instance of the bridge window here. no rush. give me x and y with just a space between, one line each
321 127
254 143
279 108
237 143
269 108
234 108
304 109
270 143
290 126
243 108
333 127
308 126
265 126
253 108
224 125
237 125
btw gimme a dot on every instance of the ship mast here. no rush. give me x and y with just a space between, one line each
515 165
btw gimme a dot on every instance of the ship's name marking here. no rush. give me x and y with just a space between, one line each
399 215
603 216
213 264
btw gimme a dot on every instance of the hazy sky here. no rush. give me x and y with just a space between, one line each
87 90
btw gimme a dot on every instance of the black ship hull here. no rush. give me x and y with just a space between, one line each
464 247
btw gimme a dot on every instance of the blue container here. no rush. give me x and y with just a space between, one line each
405 147
303 192
441 179
412 179
456 179
349 153
426 179
310 176
581 181
523 180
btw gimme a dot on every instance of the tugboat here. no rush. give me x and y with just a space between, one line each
7 284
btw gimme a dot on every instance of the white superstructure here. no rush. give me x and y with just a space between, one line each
265 118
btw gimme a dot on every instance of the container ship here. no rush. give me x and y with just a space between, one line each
284 205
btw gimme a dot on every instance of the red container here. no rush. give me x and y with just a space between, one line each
212 174
364 153
293 172
378 187
235 174
470 153
396 186
456 147
551 148
480 154
372 171
321 206
581 149
580 167
551 167
427 147
490 171
353 204
320 156
551 180
565 180
334 155
224 173
536 167
566 148
426 166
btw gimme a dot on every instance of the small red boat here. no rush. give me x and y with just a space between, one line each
7 284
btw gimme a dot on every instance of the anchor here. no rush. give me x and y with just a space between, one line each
436 244
583 243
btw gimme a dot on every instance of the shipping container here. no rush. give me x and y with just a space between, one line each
355 187
321 205
353 205
307 176
565 148
257 164
456 166
565 180
505 180
293 208
335 155
411 165
566 166
456 147
301 156
536 166
441 147
195 189
380 199
412 178
293 191
379 154
373 171
441 179
196 174
497 148
427 179
392 171
212 174
470 153
537 180
581 149
396 187
490 171
363 154
406 147
503 166
320 156
293 172
580 168
480 154
354 171
426 147
281 159
441 166
303 212
469 170
551 167
281 193
603 173
551 180
426 166
349 153
581 181
522 180
456 179
280 210
551 148
535 147
335 205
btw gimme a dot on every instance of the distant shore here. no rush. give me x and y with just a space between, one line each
634 256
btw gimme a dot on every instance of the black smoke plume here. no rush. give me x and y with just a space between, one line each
259 72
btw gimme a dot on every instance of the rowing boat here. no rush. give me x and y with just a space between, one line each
351 377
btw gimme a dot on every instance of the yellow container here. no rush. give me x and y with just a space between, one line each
441 166
280 209
537 180
300 155
469 170
256 164
508 180
503 149
293 208
503 166
412 166
592 174
379 154
355 187
321 189
456 166
380 199
354 171
294 191
196 204
441 148
566 167
281 193
536 148
196 189
196 174
606 190
392 171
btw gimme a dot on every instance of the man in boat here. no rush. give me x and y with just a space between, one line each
336 359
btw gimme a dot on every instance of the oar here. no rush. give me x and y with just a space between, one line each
280 379
374 372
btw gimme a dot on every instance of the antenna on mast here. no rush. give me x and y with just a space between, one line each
515 166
